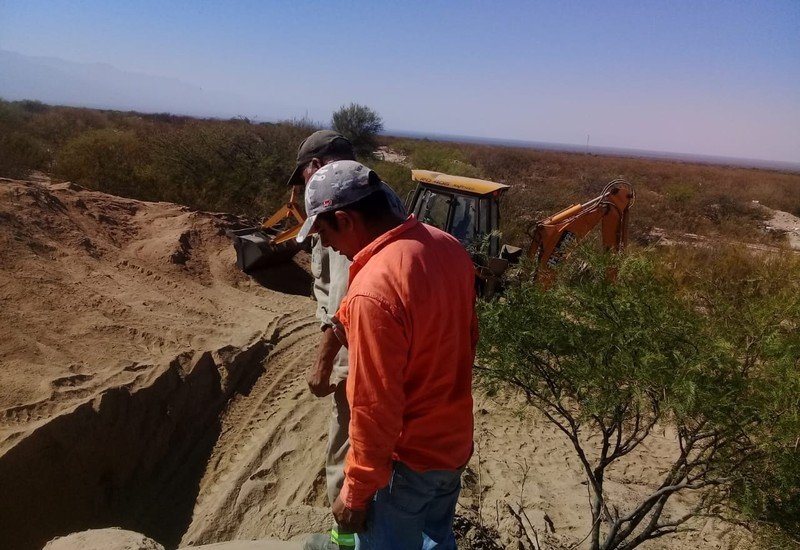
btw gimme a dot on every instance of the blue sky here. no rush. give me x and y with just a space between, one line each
719 78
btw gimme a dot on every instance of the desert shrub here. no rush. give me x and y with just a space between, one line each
671 195
681 194
439 157
754 301
396 175
231 166
33 106
679 197
58 125
107 160
360 124
606 362
20 153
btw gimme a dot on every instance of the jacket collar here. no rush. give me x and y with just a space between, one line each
366 253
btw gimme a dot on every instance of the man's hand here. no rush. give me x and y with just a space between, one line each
319 379
350 521
319 375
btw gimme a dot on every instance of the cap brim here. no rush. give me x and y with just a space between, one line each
305 229
297 176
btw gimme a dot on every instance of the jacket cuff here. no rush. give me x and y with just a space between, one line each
352 497
324 320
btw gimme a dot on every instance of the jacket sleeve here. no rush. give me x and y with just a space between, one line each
378 354
331 271
320 269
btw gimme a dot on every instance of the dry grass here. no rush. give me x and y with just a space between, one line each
238 166
692 198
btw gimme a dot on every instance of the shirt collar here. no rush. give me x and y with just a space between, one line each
360 259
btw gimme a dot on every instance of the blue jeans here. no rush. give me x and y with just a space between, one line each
414 512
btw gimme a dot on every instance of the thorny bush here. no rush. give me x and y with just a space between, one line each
610 362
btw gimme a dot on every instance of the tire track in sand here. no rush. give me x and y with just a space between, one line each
270 453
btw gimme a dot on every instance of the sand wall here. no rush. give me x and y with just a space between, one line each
131 457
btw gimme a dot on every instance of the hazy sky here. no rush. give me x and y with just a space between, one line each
719 78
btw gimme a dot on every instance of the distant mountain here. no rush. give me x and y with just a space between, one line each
98 85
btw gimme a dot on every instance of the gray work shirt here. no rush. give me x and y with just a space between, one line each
331 272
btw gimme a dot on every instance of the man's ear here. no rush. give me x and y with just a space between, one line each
345 220
317 163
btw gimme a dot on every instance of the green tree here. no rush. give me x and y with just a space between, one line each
607 363
754 303
360 125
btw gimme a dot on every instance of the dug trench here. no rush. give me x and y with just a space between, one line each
134 456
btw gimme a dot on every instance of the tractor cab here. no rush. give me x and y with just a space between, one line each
467 208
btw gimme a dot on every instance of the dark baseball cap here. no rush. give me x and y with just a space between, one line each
323 143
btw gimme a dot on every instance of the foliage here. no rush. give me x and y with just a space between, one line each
439 157
107 159
755 303
396 175
20 153
360 125
677 197
231 166
608 362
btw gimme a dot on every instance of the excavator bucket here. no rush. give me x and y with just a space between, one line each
271 243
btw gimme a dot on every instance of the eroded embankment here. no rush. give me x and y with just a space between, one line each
132 456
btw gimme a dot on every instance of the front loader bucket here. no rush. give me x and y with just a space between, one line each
255 248
271 243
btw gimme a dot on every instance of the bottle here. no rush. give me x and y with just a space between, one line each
343 540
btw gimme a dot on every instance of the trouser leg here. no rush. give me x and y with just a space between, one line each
441 511
338 442
415 511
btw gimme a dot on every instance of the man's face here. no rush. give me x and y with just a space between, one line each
311 169
342 238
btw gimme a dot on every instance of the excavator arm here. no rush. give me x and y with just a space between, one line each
552 237
289 211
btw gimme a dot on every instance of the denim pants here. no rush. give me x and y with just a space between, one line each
414 512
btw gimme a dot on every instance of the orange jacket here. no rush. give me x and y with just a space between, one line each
409 315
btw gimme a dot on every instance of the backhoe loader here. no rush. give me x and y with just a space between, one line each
469 209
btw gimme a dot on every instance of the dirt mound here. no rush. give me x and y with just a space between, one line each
103 539
128 334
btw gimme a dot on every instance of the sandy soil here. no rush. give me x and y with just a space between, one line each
787 224
103 539
119 539
390 155
146 383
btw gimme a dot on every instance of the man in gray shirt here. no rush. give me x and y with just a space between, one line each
331 273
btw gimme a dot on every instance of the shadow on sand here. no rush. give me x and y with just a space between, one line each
288 278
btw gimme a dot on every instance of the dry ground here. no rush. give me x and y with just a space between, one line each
146 383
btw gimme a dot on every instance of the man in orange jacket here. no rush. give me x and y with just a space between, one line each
410 326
